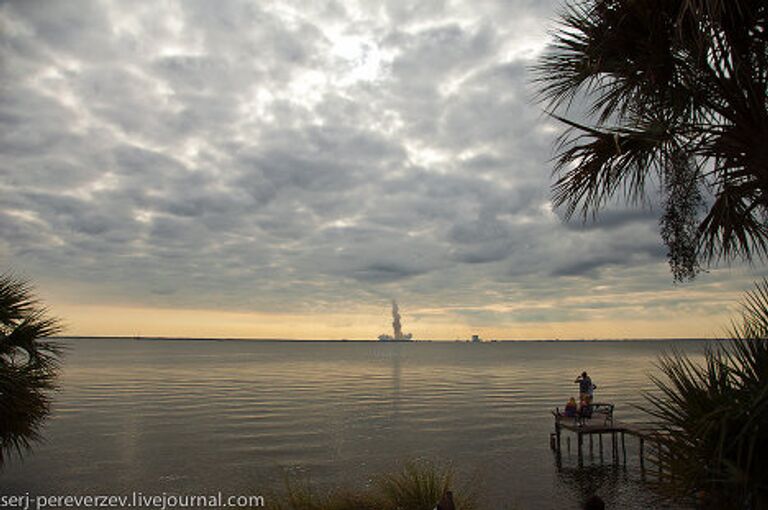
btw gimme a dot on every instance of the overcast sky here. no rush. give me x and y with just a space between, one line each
284 169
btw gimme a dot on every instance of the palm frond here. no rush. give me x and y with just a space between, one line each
660 79
714 416
29 364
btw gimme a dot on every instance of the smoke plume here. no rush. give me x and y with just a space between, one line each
396 326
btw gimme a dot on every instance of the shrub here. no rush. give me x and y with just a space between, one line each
713 417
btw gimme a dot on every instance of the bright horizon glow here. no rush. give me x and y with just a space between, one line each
125 321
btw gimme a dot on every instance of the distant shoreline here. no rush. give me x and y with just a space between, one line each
340 341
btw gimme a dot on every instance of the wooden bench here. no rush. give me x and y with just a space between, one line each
597 410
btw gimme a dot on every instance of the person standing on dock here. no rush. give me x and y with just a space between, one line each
586 388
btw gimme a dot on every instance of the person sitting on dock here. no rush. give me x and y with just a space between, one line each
586 388
571 408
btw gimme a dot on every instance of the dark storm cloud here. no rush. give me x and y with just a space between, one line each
614 218
278 156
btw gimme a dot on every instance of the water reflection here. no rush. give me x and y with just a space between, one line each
603 480
157 416
396 377
618 484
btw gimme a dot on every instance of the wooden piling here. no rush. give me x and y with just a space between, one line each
580 438
601 447
660 458
623 448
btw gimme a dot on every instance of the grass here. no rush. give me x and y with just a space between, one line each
418 485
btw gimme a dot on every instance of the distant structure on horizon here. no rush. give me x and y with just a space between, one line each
476 339
397 328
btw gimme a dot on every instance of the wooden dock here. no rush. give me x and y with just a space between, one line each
599 424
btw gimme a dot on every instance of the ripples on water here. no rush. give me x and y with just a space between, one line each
192 416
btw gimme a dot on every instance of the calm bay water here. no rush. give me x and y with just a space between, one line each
190 417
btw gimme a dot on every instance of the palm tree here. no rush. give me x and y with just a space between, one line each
28 365
676 94
713 417
676 98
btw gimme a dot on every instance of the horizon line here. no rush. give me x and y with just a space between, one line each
358 340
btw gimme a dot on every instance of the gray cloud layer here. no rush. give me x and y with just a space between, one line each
277 156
